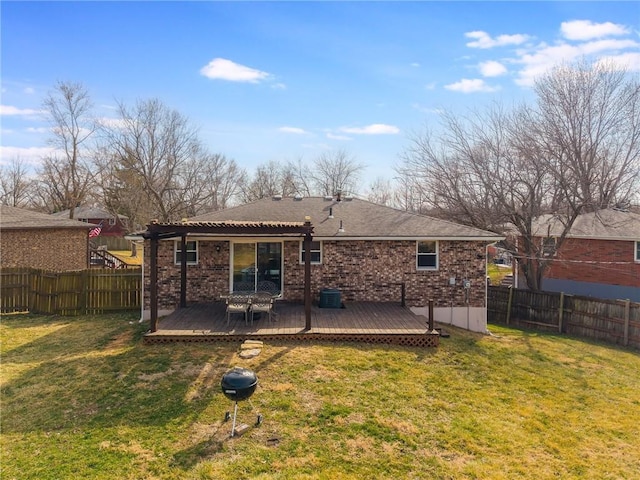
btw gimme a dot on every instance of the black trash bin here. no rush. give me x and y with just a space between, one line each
330 298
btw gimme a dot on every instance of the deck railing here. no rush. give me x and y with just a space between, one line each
82 292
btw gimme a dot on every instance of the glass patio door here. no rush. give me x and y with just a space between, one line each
256 262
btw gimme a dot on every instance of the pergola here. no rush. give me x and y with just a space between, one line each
162 231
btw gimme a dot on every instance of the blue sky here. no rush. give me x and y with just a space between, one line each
287 80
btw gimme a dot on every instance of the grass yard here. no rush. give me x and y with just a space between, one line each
82 398
497 272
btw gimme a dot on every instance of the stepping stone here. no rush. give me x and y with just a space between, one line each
254 352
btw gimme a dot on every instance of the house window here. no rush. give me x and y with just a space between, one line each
638 251
315 251
192 253
427 255
549 246
112 221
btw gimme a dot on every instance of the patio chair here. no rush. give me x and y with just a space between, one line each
238 304
261 302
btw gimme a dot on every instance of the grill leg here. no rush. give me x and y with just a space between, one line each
233 426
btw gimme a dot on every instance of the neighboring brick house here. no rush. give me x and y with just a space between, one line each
37 240
364 250
600 256
112 225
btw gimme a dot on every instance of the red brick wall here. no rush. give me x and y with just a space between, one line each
46 249
599 261
206 281
373 270
362 270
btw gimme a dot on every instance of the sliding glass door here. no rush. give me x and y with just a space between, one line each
254 264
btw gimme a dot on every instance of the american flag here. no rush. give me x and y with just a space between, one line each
94 232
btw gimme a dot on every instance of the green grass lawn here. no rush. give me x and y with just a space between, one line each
497 272
83 398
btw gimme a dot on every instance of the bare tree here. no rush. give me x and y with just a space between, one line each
156 153
15 184
67 175
335 172
381 192
588 123
270 179
300 180
576 150
218 181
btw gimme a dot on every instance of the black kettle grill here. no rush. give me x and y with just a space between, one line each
239 384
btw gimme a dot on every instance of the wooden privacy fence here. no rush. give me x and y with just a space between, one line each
69 293
616 321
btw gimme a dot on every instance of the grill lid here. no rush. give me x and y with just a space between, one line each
239 383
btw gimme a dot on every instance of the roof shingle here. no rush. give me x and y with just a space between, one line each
359 219
20 218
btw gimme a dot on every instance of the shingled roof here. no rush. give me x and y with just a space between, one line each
88 212
606 224
359 219
19 218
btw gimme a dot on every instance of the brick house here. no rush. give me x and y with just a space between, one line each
365 251
112 225
36 240
600 256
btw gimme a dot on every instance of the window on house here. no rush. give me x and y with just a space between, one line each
637 251
315 251
427 255
192 253
112 221
549 246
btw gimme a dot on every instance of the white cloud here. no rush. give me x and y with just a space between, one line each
628 60
29 91
587 30
38 130
484 40
492 68
415 65
15 111
373 129
294 130
430 86
223 69
29 155
470 86
539 61
333 136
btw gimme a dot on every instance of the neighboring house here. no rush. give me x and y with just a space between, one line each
367 252
111 225
37 240
599 258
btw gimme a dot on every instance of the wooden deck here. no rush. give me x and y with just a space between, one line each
367 322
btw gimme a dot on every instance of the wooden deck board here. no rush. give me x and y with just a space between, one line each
363 320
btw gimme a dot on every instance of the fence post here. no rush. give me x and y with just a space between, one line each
627 314
509 304
84 293
560 312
